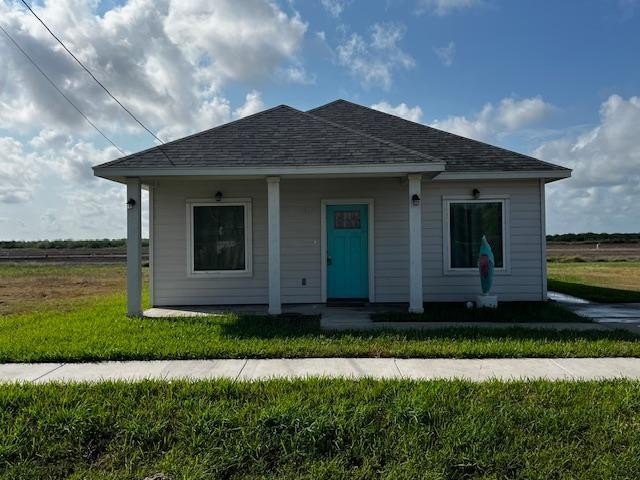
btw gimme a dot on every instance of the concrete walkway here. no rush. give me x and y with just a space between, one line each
613 315
377 368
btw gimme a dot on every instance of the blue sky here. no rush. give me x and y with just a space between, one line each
556 79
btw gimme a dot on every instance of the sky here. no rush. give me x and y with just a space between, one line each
559 80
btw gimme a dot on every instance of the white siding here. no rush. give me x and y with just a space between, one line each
524 281
300 236
300 240
172 284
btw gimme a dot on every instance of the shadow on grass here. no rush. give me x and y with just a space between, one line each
257 327
595 294
507 312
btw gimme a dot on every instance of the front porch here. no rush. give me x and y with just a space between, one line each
287 241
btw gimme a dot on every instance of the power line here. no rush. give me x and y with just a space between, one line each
59 91
97 81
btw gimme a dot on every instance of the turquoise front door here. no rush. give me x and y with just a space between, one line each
347 251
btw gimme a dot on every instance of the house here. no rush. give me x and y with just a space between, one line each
339 202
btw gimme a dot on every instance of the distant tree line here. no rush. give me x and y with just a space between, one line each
69 244
591 237
588 237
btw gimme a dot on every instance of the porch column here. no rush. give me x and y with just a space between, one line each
273 207
415 244
134 248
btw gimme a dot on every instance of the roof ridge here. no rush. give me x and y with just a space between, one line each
373 137
341 100
196 134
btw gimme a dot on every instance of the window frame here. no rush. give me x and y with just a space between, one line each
248 238
447 201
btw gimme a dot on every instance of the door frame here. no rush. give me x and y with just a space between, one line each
323 241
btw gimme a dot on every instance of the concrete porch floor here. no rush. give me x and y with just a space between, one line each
331 317
344 318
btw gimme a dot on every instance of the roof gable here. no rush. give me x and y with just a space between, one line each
281 136
460 154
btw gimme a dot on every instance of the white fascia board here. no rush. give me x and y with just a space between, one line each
504 175
116 173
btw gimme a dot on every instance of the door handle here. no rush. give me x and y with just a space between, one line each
328 260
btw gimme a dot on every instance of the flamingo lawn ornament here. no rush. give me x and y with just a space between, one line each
486 263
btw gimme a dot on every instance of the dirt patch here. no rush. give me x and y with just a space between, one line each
592 252
32 287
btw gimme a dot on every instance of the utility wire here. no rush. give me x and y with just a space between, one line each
98 81
59 91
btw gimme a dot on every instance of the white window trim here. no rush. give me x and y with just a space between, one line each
446 240
248 236
323 242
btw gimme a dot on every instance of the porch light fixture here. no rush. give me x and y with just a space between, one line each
476 193
218 196
415 200
131 203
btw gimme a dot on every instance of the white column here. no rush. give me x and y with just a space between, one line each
134 248
273 207
543 238
415 245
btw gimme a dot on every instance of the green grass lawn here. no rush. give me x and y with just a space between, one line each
321 429
514 312
97 329
606 282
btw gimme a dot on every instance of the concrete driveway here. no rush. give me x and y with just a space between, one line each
614 315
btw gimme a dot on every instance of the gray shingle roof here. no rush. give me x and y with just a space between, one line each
460 154
338 133
280 136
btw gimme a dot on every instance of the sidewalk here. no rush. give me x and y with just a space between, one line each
377 368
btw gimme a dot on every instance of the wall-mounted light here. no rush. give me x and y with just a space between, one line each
475 193
415 200
218 196
131 203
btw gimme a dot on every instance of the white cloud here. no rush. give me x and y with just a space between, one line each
243 40
478 126
446 54
17 174
510 115
253 104
413 114
444 7
513 114
373 61
166 60
48 180
298 74
335 7
604 191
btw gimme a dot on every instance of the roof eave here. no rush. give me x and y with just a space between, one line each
119 174
548 175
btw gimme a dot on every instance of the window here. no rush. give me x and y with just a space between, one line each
467 222
220 242
349 219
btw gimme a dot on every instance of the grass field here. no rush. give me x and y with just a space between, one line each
321 429
94 327
597 281
293 429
